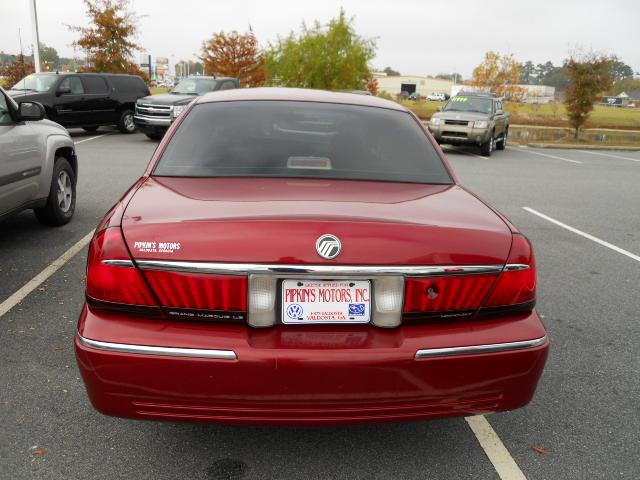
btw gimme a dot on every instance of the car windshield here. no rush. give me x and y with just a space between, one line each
469 104
301 140
192 86
36 83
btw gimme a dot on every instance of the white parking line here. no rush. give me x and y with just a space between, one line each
584 234
32 284
610 155
502 461
91 138
555 157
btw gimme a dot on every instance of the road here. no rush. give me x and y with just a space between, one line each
583 423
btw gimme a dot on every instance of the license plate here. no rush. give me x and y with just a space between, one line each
326 301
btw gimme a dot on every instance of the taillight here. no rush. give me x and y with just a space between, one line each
111 275
226 293
463 295
517 283
445 294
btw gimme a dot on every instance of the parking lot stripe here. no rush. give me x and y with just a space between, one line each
502 461
610 155
555 157
584 234
32 284
89 139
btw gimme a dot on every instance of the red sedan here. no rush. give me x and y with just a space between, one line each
305 257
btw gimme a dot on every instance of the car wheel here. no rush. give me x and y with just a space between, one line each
61 202
90 129
125 124
487 147
502 143
154 136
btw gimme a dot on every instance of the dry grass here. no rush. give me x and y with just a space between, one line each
550 115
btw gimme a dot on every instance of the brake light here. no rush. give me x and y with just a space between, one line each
111 275
517 283
448 293
199 291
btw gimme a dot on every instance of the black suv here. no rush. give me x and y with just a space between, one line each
155 114
86 100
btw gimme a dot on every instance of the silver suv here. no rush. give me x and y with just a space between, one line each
38 165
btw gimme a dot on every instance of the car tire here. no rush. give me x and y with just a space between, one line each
502 143
61 202
90 129
125 123
154 136
487 147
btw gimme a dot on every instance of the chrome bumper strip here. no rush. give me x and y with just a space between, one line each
256 268
475 349
149 350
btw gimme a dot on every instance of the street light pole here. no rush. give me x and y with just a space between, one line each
36 37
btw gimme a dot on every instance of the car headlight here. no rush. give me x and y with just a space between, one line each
177 110
435 121
480 124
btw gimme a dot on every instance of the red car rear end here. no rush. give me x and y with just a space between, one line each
299 257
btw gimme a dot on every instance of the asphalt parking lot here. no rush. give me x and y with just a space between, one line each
582 214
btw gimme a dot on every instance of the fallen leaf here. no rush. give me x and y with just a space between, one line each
540 450
40 451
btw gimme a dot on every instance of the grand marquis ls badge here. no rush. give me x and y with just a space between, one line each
328 246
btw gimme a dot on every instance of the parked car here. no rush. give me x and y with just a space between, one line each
295 256
472 119
38 165
155 113
87 100
438 97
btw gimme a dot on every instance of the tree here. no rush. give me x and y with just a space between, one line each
16 71
49 58
528 74
589 75
455 76
620 70
371 85
498 73
109 40
391 72
331 57
234 55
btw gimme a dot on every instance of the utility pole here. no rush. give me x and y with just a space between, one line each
36 37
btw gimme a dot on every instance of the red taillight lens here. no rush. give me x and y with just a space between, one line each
199 291
114 283
442 294
517 283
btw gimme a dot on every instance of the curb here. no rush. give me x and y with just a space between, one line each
577 146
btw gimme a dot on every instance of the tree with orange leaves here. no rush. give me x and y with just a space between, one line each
109 40
498 73
15 71
234 55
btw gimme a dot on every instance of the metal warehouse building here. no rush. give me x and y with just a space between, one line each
406 83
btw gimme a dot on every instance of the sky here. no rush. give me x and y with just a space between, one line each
415 37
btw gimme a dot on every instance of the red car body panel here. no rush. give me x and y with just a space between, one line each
223 219
308 374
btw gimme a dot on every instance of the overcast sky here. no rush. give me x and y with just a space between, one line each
414 37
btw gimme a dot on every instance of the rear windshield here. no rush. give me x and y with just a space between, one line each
301 140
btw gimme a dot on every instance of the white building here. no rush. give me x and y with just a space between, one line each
412 83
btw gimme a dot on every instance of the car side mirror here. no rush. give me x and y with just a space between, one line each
62 90
32 111
499 112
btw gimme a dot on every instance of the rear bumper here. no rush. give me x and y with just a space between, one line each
307 375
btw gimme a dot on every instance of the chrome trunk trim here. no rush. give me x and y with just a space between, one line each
476 349
152 350
303 269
